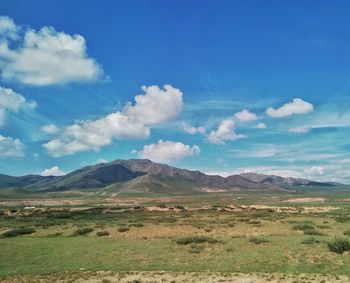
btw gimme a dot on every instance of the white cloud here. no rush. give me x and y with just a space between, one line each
246 116
8 28
10 147
53 171
11 101
45 57
156 106
260 126
224 132
50 129
300 130
192 130
296 107
101 160
92 135
165 151
315 171
131 123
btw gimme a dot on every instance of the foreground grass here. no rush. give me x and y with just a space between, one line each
35 255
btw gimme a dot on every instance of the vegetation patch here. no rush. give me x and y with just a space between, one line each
102 233
196 240
82 232
339 245
310 241
123 229
258 240
18 232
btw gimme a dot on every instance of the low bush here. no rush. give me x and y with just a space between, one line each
258 240
179 207
196 240
339 245
102 233
303 227
310 241
313 232
123 229
82 231
254 222
18 232
196 249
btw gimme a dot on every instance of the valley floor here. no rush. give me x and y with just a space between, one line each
235 238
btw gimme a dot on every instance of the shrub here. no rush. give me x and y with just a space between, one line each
254 222
196 249
162 206
102 233
303 227
123 229
258 240
17 232
179 207
342 219
313 232
82 231
339 245
310 241
196 240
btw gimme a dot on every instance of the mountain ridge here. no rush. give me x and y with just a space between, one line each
144 176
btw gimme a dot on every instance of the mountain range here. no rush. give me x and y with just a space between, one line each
142 176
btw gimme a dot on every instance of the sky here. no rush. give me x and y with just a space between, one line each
223 87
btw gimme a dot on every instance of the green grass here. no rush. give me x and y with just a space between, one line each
37 255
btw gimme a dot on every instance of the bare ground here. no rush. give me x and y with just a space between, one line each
167 277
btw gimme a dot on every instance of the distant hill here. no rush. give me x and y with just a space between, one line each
142 176
280 181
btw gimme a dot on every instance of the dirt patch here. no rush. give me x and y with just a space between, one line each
291 209
305 200
167 277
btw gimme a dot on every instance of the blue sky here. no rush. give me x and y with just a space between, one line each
220 86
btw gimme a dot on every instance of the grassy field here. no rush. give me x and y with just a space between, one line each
283 236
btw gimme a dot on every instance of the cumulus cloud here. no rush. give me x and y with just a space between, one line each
8 28
315 171
224 132
192 130
165 151
260 126
53 171
92 135
133 122
44 57
156 105
10 147
299 130
10 101
50 129
296 107
246 116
